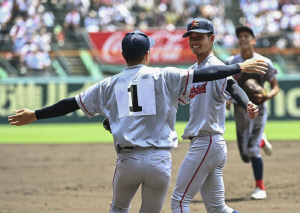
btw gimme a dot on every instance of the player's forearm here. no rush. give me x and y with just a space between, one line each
216 72
272 94
237 93
61 108
274 89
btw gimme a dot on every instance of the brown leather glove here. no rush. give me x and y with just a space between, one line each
256 93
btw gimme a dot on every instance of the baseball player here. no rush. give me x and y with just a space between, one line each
250 132
141 104
202 168
264 143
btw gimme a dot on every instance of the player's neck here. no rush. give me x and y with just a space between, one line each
133 64
145 62
201 57
247 54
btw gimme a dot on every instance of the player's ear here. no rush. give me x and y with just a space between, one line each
254 41
148 55
212 38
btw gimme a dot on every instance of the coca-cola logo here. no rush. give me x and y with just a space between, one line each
111 50
170 47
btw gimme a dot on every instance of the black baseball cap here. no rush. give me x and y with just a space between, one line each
199 25
244 28
136 43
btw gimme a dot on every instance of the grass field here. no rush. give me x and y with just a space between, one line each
95 133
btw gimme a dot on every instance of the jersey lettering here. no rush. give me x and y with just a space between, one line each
198 90
134 98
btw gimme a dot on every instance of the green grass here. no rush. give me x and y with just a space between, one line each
54 133
275 130
95 133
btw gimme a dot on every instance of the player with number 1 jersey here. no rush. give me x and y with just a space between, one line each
139 97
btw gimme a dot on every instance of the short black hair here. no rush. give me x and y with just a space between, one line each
209 34
244 28
134 60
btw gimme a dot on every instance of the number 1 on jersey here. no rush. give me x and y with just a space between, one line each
134 99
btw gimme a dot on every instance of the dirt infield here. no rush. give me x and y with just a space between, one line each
78 179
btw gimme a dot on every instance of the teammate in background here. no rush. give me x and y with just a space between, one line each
250 132
202 168
141 104
264 143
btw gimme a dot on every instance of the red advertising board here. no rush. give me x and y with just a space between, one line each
170 47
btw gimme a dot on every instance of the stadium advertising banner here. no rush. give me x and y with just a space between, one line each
34 95
170 47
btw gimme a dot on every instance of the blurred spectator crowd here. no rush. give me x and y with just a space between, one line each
30 32
32 25
275 22
278 19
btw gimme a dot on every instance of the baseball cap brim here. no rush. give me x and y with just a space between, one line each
151 41
240 29
186 34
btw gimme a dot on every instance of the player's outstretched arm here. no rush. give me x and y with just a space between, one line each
27 116
23 116
216 72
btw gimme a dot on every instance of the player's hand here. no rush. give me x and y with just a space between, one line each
254 66
252 110
23 116
228 104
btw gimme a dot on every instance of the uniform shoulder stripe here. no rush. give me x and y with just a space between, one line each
84 106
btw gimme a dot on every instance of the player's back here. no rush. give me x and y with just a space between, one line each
141 103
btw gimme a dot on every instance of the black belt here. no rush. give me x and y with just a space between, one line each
127 147
142 148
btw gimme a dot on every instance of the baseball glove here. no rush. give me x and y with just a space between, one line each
256 93
106 124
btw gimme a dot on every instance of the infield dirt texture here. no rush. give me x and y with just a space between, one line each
78 179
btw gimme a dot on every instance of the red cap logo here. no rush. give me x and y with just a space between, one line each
194 24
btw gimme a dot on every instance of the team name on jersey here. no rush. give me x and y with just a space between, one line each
198 90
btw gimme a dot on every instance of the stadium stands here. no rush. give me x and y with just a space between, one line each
49 37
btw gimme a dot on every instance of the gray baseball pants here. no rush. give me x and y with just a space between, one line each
249 131
149 167
202 170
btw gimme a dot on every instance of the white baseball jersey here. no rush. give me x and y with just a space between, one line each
141 103
207 111
202 167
